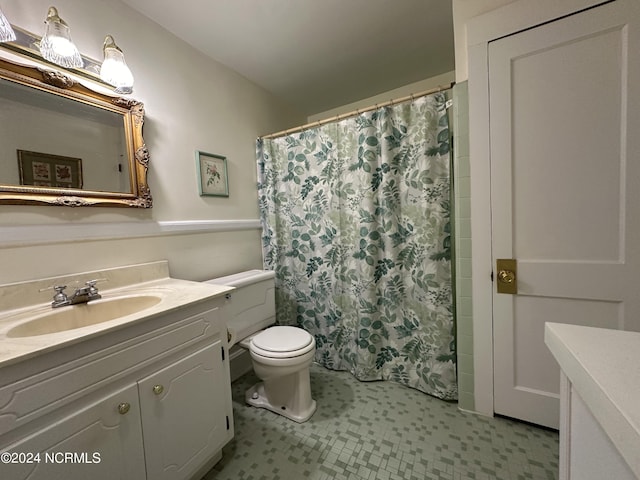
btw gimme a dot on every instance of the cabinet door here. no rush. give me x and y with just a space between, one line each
97 442
186 413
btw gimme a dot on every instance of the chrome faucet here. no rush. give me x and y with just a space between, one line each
82 294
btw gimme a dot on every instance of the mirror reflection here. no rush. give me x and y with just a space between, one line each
52 141
62 143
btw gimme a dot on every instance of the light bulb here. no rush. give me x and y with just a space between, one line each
56 45
114 69
6 32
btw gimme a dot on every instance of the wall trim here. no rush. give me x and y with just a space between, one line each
25 235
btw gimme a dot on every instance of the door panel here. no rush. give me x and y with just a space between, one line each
565 183
550 138
531 365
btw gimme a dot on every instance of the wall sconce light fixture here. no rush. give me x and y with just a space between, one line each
114 70
56 45
6 32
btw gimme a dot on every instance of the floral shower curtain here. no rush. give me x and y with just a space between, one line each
356 224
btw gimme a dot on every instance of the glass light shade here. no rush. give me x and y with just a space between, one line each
114 70
56 45
6 32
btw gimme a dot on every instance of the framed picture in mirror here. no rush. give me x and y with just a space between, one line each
47 170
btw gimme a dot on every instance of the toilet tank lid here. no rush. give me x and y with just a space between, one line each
243 278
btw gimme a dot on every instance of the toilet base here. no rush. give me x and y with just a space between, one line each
256 397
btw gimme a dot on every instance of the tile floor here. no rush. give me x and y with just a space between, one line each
380 431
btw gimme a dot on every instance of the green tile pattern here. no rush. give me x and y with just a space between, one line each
380 430
462 239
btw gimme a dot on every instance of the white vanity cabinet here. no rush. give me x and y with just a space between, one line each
148 401
97 428
185 418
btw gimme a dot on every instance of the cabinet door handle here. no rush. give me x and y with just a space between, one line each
158 389
123 408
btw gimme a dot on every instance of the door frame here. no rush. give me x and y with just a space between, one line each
507 20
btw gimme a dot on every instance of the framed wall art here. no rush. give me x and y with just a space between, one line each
212 174
47 170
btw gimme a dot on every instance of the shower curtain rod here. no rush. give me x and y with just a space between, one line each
356 112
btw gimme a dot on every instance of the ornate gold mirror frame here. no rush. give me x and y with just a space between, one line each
137 156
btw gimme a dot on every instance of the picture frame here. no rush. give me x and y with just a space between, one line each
213 177
48 170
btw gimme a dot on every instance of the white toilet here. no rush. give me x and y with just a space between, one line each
280 355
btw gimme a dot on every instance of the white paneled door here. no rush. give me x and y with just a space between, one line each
565 192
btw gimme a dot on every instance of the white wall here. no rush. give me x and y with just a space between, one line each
192 103
443 80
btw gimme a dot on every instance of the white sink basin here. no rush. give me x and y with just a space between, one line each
83 315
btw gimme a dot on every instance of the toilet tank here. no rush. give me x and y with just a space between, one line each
253 302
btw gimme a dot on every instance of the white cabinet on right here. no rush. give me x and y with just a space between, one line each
184 416
599 401
590 452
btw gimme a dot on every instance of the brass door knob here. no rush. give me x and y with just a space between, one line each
506 276
123 408
158 389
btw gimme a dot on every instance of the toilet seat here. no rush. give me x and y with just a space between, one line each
282 342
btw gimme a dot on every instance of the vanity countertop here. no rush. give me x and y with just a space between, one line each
603 366
137 280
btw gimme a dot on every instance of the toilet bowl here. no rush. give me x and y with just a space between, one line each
281 358
280 355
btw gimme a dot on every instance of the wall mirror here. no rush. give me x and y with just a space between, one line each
62 143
